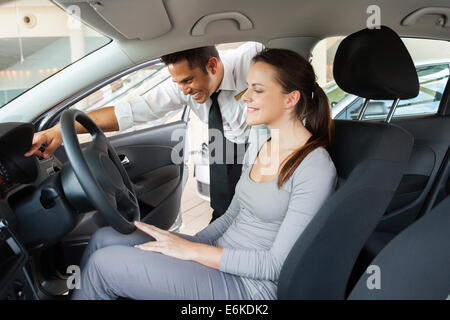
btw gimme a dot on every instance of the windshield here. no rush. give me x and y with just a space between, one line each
37 39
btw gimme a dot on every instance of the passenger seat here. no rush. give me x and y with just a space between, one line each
416 264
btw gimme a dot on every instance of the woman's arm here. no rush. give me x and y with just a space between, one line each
221 224
172 245
207 255
312 184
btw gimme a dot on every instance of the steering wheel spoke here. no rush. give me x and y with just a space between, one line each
127 203
99 143
112 200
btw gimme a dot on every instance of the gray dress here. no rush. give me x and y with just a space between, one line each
263 222
256 233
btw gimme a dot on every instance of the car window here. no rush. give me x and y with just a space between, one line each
375 110
432 60
432 82
334 93
37 39
127 87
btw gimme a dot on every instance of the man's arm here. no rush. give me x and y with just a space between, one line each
152 105
105 118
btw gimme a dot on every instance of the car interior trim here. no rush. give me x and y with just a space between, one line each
392 110
199 28
413 17
363 109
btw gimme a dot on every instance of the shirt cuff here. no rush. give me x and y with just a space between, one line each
124 115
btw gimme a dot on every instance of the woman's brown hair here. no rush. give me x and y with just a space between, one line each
293 72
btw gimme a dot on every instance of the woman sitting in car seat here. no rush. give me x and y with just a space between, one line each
286 177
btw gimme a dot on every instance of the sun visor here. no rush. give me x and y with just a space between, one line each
131 19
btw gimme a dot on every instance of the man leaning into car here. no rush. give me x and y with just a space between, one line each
211 85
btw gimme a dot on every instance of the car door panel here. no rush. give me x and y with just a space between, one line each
150 173
430 148
415 179
154 186
425 181
157 179
411 187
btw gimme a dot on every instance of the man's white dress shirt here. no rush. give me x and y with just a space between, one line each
166 97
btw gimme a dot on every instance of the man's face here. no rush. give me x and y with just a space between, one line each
193 81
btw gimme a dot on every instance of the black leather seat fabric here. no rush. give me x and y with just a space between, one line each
370 159
416 263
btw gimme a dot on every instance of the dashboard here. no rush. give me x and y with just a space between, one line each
15 168
34 211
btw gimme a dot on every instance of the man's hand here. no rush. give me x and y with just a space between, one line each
105 119
51 137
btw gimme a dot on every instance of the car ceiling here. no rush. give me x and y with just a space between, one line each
166 27
150 28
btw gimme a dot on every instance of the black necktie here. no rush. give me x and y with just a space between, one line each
218 175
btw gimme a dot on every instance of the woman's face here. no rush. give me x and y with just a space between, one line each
266 102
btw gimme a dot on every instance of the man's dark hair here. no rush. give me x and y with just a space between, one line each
197 57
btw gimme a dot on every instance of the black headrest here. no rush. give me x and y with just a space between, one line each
375 64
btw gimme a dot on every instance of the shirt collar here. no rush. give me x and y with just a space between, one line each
228 81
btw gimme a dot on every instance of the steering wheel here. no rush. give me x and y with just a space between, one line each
104 181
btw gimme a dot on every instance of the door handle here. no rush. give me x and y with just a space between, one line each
124 159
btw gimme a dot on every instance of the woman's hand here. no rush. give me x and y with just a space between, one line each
166 243
177 247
